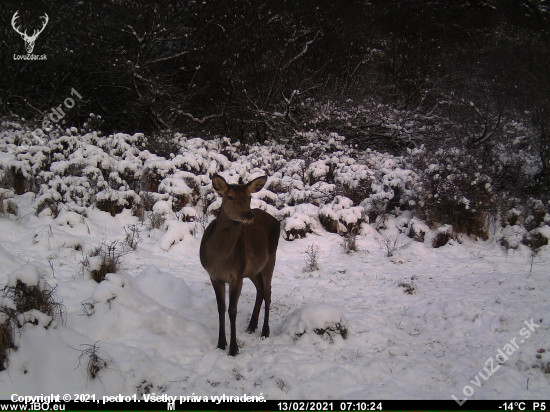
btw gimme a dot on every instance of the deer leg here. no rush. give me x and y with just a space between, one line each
257 280
267 274
234 294
219 289
267 298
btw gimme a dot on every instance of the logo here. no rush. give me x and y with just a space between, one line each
29 40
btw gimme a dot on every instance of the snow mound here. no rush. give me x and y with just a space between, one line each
36 317
321 318
177 232
29 274
48 237
167 290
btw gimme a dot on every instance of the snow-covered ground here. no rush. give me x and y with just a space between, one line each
422 324
465 319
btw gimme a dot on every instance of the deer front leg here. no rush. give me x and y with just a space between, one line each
234 294
219 289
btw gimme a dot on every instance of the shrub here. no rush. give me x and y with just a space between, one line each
26 293
391 244
536 212
441 239
24 297
138 211
349 244
340 216
534 240
178 202
154 173
357 193
298 220
17 179
4 199
311 258
162 144
188 214
7 343
95 363
11 207
49 202
201 223
416 234
455 188
156 220
114 202
505 243
132 238
148 200
106 258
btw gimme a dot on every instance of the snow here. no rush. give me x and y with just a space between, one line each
156 320
34 316
175 233
28 274
420 324
314 317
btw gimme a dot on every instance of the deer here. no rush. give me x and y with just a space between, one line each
29 40
240 243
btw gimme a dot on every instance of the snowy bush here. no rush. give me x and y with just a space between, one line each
26 298
349 244
187 214
442 236
391 244
536 239
346 186
7 205
455 188
115 201
104 259
311 258
417 230
322 319
96 363
340 216
7 342
298 220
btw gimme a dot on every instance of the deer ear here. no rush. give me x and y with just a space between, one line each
219 183
256 185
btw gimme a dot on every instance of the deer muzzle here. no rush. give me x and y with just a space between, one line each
248 217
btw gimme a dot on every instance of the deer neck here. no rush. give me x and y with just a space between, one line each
224 238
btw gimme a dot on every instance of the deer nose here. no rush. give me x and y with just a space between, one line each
248 216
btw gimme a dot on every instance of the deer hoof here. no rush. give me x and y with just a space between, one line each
233 350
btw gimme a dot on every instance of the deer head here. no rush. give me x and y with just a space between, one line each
236 198
29 40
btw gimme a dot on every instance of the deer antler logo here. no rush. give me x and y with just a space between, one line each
29 40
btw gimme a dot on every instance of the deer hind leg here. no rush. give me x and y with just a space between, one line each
219 289
267 274
235 288
258 282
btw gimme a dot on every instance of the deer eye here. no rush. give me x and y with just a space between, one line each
230 197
